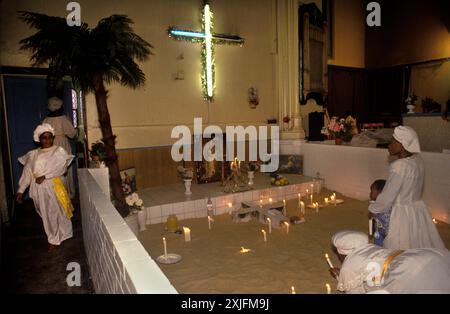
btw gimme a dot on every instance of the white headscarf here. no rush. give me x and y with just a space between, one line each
408 138
54 103
346 241
44 127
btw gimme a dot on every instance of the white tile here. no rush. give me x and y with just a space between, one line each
130 251
189 206
156 220
166 210
178 209
201 213
200 205
148 278
189 215
155 212
121 233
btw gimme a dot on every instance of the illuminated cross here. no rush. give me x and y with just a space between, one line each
207 38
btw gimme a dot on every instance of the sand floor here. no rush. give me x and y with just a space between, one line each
212 262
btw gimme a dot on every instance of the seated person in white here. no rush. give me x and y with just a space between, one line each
368 268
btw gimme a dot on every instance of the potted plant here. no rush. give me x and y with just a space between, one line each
410 103
136 207
98 154
186 174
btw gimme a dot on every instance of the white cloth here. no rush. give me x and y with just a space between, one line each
411 225
64 130
414 271
52 163
43 128
54 103
346 241
408 138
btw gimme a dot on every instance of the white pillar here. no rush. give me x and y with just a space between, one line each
288 69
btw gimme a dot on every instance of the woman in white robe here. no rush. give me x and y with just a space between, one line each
43 173
368 268
64 131
411 225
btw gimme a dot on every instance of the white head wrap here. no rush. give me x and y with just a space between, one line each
346 241
408 138
44 127
54 103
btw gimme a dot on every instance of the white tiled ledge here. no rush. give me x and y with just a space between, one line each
197 208
118 262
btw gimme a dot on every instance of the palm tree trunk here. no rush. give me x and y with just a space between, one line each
110 145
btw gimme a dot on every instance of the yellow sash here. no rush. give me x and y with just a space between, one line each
388 262
63 197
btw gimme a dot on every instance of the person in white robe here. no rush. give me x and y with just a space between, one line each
368 268
411 224
43 172
64 131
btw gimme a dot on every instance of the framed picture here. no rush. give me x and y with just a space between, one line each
291 164
128 177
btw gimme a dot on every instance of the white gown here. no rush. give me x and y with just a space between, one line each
63 130
412 272
51 163
411 225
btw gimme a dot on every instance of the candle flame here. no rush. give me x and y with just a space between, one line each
293 290
328 288
230 204
270 200
185 229
434 220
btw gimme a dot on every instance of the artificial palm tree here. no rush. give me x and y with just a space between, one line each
91 57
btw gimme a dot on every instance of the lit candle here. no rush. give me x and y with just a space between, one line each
434 220
311 199
293 290
269 221
230 208
326 200
328 261
328 288
264 234
307 192
312 189
165 247
260 203
209 222
370 226
187 234
287 227
302 207
284 208
270 200
334 198
299 198
316 206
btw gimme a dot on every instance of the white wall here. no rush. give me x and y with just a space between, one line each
351 170
118 263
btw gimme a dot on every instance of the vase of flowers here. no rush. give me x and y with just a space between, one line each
340 130
410 103
186 174
252 167
136 207
98 155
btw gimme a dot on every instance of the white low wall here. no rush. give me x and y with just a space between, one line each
351 170
118 263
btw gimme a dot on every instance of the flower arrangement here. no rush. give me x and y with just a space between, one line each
134 202
185 173
253 166
98 152
339 128
286 119
412 98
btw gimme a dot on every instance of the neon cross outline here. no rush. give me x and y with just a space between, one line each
207 38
